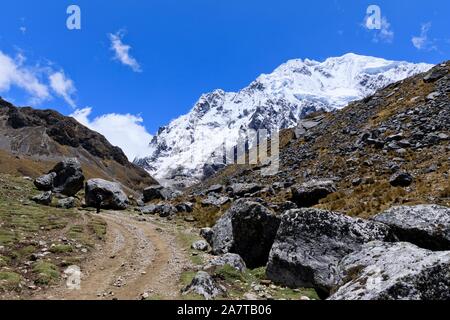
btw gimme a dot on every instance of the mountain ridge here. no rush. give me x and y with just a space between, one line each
181 150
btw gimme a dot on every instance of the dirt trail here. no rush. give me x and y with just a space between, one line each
138 257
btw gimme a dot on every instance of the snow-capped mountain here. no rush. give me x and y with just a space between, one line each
273 101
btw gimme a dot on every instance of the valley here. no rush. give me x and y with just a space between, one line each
359 209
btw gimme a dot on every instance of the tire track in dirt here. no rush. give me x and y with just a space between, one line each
137 257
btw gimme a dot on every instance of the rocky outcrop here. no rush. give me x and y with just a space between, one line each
203 284
427 226
311 242
230 259
65 178
106 194
310 193
394 271
248 229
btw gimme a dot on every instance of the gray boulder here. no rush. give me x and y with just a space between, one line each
215 200
394 271
44 198
248 229
221 235
242 189
203 284
401 179
185 207
66 203
427 226
157 192
310 193
233 260
200 245
69 177
311 242
164 210
109 194
45 182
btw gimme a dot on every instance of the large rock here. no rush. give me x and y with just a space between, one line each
248 229
242 189
157 192
109 194
394 271
203 284
401 179
69 177
216 200
311 242
427 226
164 210
310 193
66 178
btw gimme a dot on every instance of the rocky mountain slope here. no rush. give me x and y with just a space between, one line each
360 208
388 149
32 141
183 149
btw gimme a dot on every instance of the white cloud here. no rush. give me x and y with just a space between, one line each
421 42
122 52
23 29
37 82
13 72
385 34
63 86
123 130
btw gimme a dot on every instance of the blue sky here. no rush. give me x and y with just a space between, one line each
180 49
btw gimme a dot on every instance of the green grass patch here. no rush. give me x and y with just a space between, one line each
46 273
186 240
61 248
9 281
98 227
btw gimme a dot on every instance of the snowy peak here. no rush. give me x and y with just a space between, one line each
273 101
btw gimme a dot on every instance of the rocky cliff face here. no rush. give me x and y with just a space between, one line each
273 101
32 141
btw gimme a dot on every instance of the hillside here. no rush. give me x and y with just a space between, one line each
32 141
401 129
